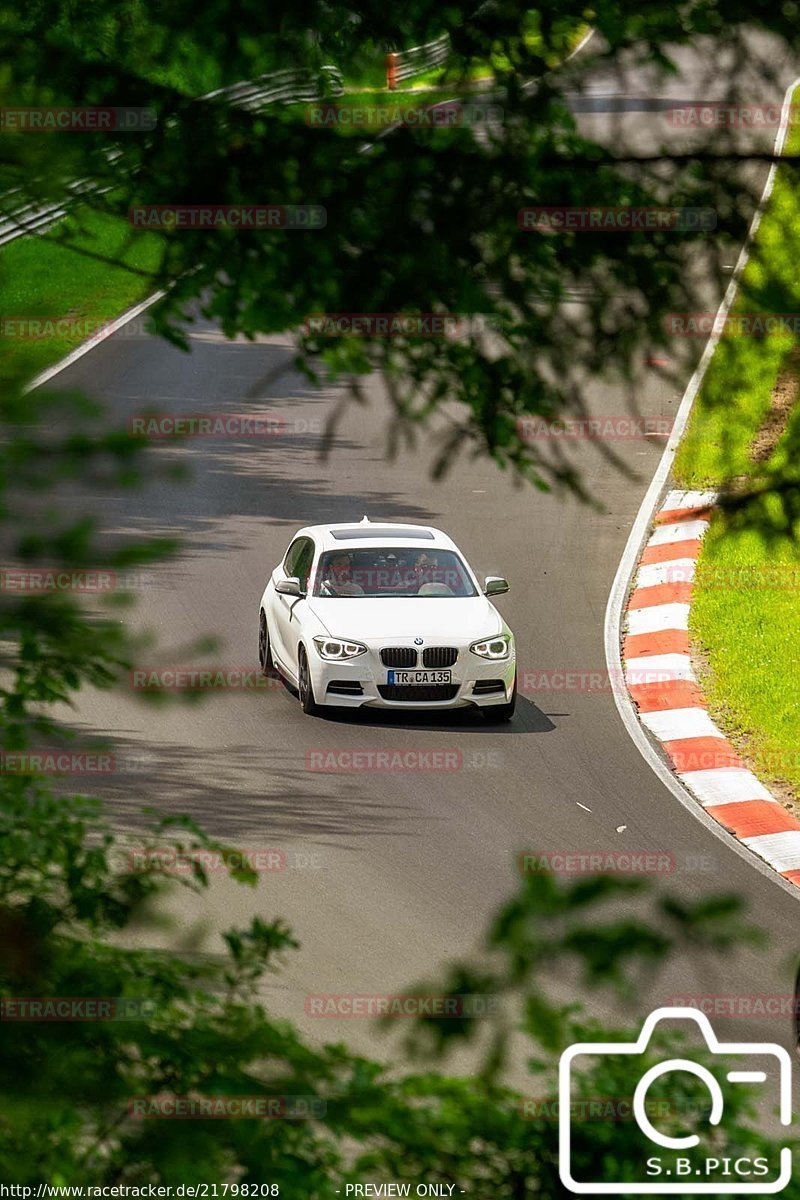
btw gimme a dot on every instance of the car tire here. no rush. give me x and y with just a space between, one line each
305 688
265 663
496 714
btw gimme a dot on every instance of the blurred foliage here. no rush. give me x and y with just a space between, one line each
421 221
195 1028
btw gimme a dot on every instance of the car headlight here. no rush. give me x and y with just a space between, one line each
334 649
496 647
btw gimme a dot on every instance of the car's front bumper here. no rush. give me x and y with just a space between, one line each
474 681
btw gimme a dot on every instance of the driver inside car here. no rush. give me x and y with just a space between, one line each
338 580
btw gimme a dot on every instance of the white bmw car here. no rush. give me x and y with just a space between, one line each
389 616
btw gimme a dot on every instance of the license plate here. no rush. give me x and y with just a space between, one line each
417 678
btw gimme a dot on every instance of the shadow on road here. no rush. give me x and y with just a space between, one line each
527 719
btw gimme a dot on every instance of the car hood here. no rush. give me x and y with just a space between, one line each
386 619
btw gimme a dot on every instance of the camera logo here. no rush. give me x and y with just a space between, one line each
665 1163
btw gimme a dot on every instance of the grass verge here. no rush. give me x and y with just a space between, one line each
368 90
63 275
744 439
89 268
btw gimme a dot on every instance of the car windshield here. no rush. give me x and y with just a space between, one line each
392 571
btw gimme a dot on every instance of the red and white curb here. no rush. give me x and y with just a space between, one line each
665 691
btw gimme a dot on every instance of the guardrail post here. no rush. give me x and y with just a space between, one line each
391 70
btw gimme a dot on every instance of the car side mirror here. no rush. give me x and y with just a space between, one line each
494 585
289 586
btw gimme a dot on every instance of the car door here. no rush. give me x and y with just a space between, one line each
298 609
287 618
278 613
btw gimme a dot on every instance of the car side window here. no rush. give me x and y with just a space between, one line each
292 555
302 566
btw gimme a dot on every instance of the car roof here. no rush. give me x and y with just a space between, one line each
366 534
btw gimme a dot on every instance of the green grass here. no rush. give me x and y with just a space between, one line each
99 270
433 87
46 277
735 395
366 84
745 617
390 105
735 400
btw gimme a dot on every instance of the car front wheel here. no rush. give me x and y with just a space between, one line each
305 687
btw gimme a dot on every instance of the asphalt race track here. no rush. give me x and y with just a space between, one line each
389 874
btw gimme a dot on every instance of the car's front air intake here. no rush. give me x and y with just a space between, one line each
423 694
345 687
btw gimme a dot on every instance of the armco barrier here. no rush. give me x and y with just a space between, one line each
282 87
279 87
407 64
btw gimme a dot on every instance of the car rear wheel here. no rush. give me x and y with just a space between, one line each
497 713
264 650
305 687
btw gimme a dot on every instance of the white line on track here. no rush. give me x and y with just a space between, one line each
85 347
138 309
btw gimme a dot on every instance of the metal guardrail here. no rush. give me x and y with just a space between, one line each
28 220
279 87
282 87
406 64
